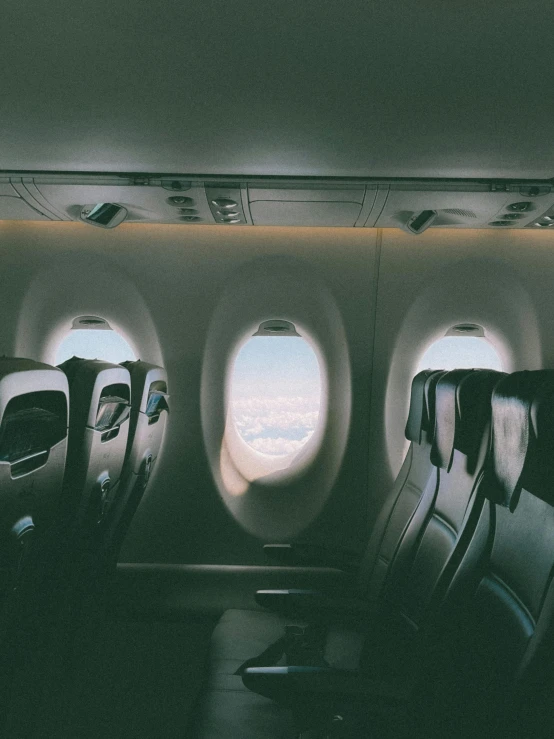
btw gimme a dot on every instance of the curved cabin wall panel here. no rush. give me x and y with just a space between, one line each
161 286
276 504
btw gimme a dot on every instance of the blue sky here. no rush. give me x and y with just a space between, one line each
460 352
94 344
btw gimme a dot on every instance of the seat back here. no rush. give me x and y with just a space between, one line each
416 477
436 536
149 413
458 451
34 402
100 395
33 446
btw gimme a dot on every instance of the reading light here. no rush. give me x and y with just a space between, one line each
520 207
104 215
180 200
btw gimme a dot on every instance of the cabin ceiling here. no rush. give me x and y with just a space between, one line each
311 88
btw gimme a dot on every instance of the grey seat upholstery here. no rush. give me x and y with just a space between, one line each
408 557
485 661
493 649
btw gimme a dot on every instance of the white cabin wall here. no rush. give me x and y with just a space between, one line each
168 281
165 283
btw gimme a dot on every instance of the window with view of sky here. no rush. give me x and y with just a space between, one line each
276 393
94 344
460 352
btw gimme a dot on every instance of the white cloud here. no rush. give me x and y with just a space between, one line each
278 446
278 425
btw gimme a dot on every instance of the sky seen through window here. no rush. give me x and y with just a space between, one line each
276 393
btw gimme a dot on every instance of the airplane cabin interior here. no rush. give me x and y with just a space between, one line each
276 370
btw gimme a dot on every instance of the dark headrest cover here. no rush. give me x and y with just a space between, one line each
442 449
474 409
538 471
430 403
512 400
416 416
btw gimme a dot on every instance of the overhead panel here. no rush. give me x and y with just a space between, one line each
182 203
478 208
306 206
108 200
14 208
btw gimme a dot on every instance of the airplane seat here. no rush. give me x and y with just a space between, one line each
419 572
33 445
241 634
237 631
100 395
418 580
492 651
34 403
149 412
486 659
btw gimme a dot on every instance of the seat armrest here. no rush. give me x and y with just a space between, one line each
288 685
313 555
316 606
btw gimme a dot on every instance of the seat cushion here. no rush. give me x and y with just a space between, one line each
243 634
240 635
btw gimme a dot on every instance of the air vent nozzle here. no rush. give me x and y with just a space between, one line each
104 215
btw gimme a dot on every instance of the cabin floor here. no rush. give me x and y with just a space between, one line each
132 680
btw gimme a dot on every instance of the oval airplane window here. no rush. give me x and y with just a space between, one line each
275 394
94 343
460 352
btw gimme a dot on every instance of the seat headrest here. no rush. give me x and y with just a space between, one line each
474 409
522 438
442 449
422 405
463 399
